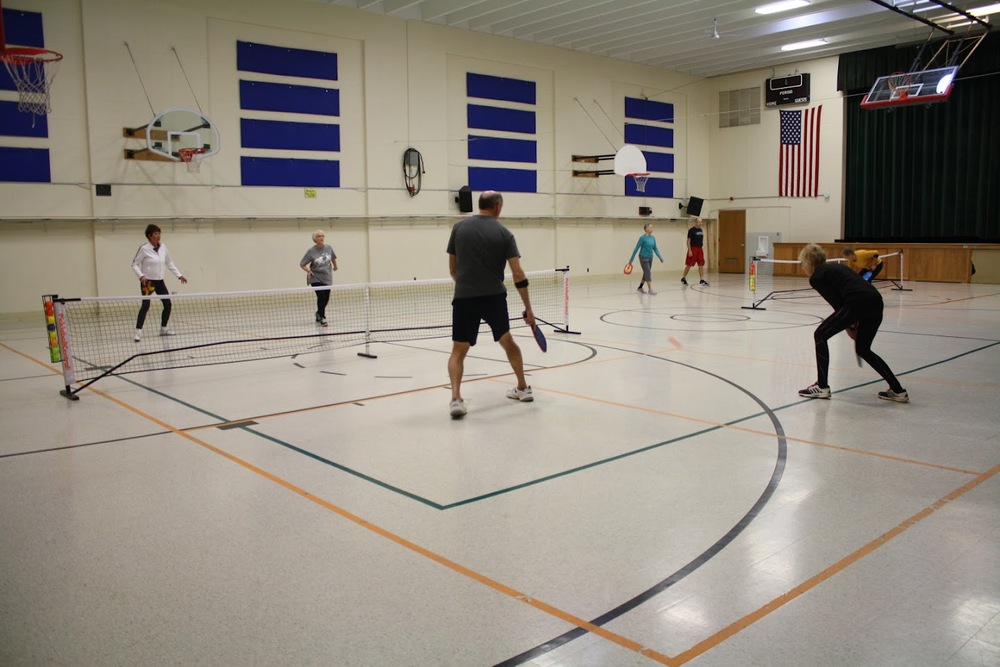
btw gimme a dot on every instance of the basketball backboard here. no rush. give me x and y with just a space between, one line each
903 88
629 160
180 128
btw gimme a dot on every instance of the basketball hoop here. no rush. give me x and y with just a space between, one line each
192 158
640 181
32 71
899 85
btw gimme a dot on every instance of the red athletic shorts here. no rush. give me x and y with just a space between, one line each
697 256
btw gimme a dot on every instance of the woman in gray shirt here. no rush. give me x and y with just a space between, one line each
319 263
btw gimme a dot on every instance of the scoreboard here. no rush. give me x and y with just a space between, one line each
784 90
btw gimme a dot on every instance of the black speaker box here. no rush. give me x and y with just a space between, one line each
464 199
694 206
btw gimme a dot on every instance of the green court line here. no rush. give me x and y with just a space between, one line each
564 473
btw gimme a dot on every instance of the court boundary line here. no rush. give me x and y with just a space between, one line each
749 619
495 585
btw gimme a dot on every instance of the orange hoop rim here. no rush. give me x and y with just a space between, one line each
187 154
898 80
25 55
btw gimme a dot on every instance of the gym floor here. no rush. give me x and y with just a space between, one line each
668 498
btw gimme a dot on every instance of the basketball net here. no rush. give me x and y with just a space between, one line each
899 85
192 158
640 181
32 71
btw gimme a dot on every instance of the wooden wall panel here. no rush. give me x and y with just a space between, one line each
933 262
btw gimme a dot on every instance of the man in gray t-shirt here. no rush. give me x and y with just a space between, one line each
478 250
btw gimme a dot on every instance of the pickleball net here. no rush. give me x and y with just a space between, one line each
777 279
95 334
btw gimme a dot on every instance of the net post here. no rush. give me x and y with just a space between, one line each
565 279
50 327
367 354
63 335
898 286
752 286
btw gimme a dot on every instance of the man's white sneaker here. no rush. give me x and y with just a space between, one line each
138 335
523 395
164 331
457 408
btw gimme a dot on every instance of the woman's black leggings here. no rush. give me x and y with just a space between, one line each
322 298
160 287
868 317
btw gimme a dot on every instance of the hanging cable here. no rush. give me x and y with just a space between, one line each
129 49
181 65
413 170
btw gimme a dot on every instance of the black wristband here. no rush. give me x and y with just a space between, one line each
523 283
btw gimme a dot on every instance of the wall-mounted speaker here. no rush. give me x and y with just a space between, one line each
464 199
694 206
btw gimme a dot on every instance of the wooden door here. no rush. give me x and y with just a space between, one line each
732 241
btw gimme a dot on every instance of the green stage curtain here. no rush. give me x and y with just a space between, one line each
922 172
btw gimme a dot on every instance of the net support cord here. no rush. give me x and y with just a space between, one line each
95 334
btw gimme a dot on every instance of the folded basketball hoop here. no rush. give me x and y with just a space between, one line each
32 71
640 181
192 158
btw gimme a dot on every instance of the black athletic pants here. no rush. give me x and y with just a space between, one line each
322 298
868 316
160 287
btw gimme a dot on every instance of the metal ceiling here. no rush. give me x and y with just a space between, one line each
702 38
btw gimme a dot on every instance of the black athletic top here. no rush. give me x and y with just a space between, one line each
842 287
697 236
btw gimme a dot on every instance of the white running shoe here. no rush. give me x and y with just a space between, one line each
523 395
457 408
165 331
890 395
815 391
138 335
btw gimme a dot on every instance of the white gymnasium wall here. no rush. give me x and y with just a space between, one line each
402 85
745 159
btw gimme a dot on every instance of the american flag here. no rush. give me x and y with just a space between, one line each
798 161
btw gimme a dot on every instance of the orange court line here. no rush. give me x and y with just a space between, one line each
754 431
632 645
780 601
563 393
613 637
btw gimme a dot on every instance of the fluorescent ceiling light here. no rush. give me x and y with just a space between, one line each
803 45
782 6
985 11
919 6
